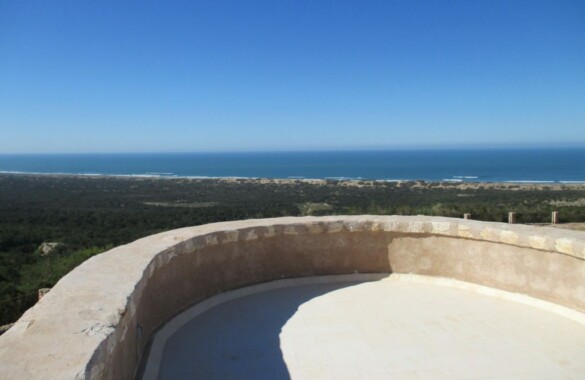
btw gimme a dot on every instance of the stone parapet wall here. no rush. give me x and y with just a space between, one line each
97 321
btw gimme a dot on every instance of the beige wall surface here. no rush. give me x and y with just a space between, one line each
97 320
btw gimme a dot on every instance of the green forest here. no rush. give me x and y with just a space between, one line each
89 215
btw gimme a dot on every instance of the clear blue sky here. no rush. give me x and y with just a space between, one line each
160 76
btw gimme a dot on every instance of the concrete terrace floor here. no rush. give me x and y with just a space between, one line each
384 329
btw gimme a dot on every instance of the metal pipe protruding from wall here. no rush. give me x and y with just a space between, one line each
555 217
511 217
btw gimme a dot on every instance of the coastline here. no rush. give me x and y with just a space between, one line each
341 181
542 166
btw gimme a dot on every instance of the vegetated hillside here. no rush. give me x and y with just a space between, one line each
89 215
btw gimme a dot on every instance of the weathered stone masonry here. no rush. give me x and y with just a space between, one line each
96 322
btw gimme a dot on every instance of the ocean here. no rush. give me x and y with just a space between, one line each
543 165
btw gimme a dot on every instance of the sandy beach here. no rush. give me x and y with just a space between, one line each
414 184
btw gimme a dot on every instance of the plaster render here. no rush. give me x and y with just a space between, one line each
96 322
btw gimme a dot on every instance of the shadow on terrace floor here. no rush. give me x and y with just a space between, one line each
239 339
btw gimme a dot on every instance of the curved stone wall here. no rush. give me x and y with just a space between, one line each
97 320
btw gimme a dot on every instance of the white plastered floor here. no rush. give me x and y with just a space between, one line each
364 327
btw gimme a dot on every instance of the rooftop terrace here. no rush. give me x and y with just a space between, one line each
329 297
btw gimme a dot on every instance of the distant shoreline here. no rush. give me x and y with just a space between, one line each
506 166
349 182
